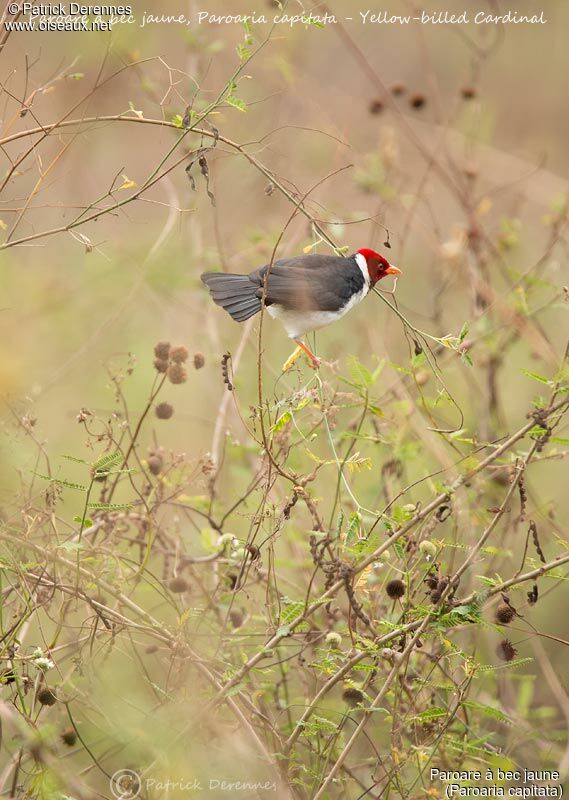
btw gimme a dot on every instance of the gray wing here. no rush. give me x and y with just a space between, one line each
311 283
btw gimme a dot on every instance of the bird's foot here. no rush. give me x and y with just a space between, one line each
291 359
313 361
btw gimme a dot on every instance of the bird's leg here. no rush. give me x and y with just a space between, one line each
291 359
313 362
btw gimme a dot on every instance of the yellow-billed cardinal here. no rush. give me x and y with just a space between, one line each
304 293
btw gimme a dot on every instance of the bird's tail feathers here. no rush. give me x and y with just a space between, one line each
235 293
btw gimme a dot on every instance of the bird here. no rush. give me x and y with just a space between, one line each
304 293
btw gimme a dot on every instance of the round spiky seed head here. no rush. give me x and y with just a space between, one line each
468 92
177 374
179 354
199 360
417 101
69 737
376 106
352 696
333 639
46 696
164 410
162 351
155 463
506 650
504 614
395 588
178 585
161 364
236 618
428 549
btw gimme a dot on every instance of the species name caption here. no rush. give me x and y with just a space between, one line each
527 782
79 16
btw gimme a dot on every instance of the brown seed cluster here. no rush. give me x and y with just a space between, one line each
155 461
164 410
417 101
179 354
506 650
69 737
395 589
178 585
225 367
504 613
46 696
171 360
353 696
468 92
376 106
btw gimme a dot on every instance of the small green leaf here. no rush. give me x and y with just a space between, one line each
463 332
110 506
236 102
352 534
282 421
87 522
535 376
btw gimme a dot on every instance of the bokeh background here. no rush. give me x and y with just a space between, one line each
449 132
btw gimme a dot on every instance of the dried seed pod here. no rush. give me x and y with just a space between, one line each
253 551
468 92
376 106
164 410
236 618
417 101
395 588
199 360
443 513
523 497
225 362
155 463
504 614
536 544
177 374
178 585
46 696
179 354
506 650
533 595
353 696
398 89
162 350
69 737
161 365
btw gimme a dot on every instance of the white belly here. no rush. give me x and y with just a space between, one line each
298 323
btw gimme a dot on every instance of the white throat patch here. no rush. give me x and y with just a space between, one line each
362 264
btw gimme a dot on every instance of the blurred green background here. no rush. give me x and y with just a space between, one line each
450 132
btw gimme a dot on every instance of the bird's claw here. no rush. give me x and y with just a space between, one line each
313 362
